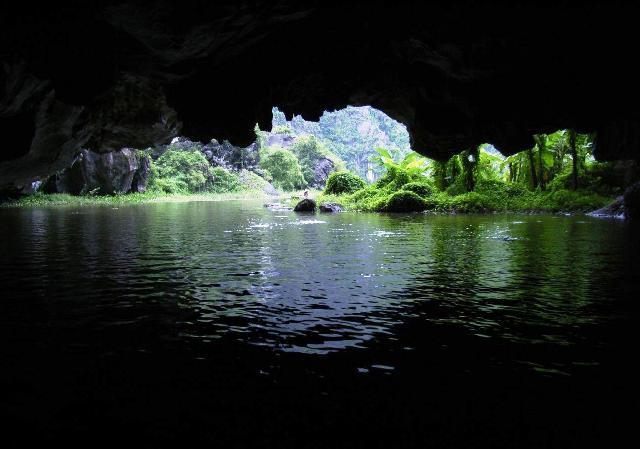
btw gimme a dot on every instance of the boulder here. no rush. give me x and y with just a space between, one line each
323 168
106 173
632 201
613 210
306 205
330 207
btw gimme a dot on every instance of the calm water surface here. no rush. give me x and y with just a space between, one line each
226 322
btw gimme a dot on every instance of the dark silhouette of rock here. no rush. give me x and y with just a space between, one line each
106 173
624 206
323 168
613 210
330 207
306 205
141 176
632 201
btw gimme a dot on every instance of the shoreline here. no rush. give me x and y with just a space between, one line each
67 200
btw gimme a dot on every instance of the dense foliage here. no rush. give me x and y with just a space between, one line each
310 151
283 168
343 182
558 173
179 171
187 171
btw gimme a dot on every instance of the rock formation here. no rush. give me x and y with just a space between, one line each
135 74
305 205
119 171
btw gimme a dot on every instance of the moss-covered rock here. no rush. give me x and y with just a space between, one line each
405 201
343 182
422 189
306 205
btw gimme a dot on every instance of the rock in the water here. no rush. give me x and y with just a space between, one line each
613 210
306 205
330 207
106 173
632 201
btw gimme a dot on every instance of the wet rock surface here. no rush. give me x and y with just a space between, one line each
330 207
613 210
305 205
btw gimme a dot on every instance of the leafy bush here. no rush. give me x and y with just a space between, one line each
472 202
423 189
572 200
493 187
343 182
405 201
284 169
224 181
179 171
369 199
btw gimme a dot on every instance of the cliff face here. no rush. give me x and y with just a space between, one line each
114 74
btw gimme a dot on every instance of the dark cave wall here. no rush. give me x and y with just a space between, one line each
115 74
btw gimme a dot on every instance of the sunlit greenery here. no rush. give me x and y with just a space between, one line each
541 178
283 167
310 151
352 134
181 172
344 182
65 199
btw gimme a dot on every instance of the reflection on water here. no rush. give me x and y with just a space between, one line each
356 293
316 284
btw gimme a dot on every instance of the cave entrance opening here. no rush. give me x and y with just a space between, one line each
350 136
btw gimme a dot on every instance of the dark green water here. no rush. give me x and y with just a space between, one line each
230 323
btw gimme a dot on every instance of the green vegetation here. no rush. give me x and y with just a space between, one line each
310 151
183 172
405 201
64 199
557 173
283 168
352 134
179 171
344 182
222 180
422 189
542 178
